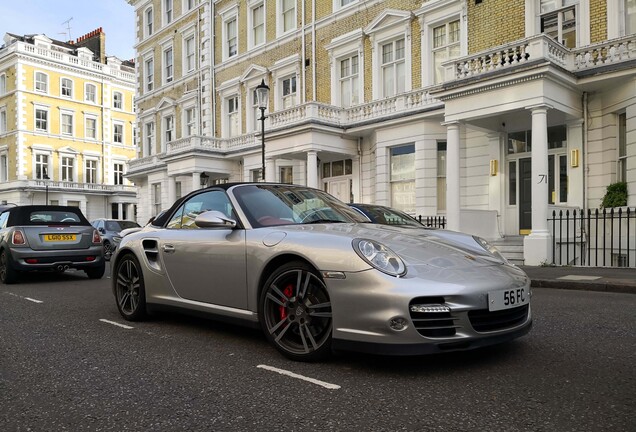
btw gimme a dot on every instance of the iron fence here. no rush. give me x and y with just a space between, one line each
432 221
594 237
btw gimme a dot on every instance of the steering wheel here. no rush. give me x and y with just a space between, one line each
309 213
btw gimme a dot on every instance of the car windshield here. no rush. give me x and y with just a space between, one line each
267 205
120 225
388 216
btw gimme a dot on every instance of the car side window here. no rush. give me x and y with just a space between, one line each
3 220
211 200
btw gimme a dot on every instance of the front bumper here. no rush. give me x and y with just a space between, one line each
57 259
365 303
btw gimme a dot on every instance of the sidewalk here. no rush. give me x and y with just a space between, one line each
620 280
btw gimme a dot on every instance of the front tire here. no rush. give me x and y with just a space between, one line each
8 275
130 291
295 312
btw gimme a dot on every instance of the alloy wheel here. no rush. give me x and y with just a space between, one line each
129 289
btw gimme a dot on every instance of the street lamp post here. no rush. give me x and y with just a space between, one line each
45 176
262 98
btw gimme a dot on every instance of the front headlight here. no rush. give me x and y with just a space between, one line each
380 257
116 239
490 248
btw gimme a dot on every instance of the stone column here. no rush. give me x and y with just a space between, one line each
312 169
270 170
537 246
120 210
452 176
196 181
172 190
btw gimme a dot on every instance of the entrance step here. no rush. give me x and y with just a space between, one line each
510 247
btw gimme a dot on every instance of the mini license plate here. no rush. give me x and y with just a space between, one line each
59 237
507 299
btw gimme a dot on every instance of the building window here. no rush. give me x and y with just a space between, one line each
149 67
41 120
4 167
68 166
343 3
349 82
150 139
3 84
257 25
289 92
558 20
233 116
90 93
118 173
256 112
67 124
41 166
256 175
512 183
190 121
287 15
118 133
630 16
168 130
441 175
446 39
231 38
188 5
393 68
149 18
403 178
167 11
286 175
622 147
41 82
118 100
67 88
156 198
3 121
189 55
91 127
167 65
90 171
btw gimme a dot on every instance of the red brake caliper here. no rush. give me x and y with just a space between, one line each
288 291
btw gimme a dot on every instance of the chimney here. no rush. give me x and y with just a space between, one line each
94 41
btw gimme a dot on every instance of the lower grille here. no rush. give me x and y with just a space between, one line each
485 321
433 324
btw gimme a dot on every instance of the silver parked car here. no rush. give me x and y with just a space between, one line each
40 237
316 276
110 230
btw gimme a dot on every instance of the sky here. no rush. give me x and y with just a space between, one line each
116 17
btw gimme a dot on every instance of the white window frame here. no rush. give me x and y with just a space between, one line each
582 14
156 198
88 117
167 120
39 83
149 79
189 124
227 16
149 139
232 118
167 12
282 70
3 120
87 93
189 61
121 134
3 84
88 160
118 100
66 84
119 173
188 5
381 34
251 40
39 153
395 181
341 4
149 24
71 114
617 19
65 172
4 165
280 17
346 46
46 109
165 76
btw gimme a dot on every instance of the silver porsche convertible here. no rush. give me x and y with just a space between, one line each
316 276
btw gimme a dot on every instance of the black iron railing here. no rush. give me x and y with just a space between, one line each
596 237
432 221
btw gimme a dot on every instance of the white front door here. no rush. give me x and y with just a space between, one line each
341 189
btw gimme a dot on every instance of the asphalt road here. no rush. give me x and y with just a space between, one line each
66 364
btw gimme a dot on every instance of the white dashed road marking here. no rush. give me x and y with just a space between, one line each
24 298
116 324
300 377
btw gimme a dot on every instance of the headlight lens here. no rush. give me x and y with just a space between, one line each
490 248
380 257
116 239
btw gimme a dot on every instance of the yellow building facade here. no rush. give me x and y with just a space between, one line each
67 129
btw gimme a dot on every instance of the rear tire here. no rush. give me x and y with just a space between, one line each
129 288
8 275
108 250
97 272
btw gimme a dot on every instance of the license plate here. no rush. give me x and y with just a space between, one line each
507 299
59 237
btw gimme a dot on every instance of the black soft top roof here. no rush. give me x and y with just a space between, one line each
21 215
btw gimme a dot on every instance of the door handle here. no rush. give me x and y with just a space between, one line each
168 248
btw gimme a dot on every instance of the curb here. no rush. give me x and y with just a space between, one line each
612 286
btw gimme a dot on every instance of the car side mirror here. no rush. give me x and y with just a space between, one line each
101 230
214 219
